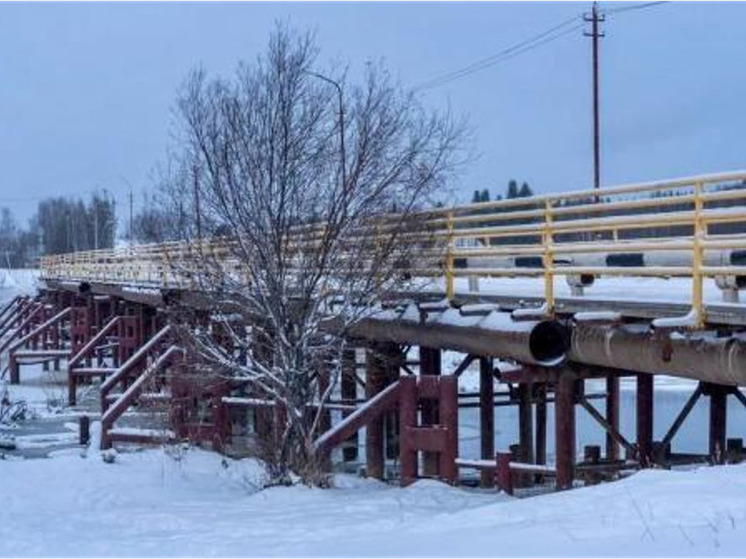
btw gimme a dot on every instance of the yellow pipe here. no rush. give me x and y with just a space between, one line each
699 233
450 290
548 259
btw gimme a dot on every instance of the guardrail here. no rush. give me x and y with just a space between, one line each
691 227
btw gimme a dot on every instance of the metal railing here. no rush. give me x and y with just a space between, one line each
692 227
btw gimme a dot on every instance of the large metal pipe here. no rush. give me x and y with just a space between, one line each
493 334
702 356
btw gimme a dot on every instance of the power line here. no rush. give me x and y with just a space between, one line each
635 6
521 47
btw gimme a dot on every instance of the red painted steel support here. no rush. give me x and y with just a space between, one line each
448 412
430 364
486 417
541 423
391 419
375 381
612 415
503 475
439 440
564 422
80 327
408 419
348 388
718 421
525 432
645 410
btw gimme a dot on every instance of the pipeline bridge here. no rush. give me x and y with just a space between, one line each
516 287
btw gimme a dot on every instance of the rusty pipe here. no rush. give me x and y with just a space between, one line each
699 356
496 334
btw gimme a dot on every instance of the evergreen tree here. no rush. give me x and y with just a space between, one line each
525 191
512 190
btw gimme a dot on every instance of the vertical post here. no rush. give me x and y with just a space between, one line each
72 389
15 370
596 119
325 421
595 34
612 415
349 396
450 289
541 423
392 364
645 417
448 412
486 417
408 421
84 433
503 476
548 259
525 430
564 425
132 206
718 421
430 364
699 234
375 381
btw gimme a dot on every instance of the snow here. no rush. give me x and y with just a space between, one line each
664 290
599 316
135 431
688 321
504 322
194 503
18 282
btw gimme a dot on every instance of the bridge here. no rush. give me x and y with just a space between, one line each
543 293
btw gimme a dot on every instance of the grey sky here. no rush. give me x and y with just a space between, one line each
86 89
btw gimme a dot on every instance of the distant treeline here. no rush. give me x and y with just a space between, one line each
675 230
60 225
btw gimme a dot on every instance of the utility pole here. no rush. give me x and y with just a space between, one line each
594 19
132 204
95 223
197 208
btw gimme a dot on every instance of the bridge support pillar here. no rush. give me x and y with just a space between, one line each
525 432
541 426
645 409
348 387
487 417
430 364
564 425
718 394
325 421
441 439
378 376
612 415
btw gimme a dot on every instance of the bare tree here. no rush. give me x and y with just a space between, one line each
306 190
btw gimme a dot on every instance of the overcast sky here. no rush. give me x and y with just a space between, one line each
86 89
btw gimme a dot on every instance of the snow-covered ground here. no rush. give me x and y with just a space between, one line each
149 504
48 424
195 503
17 282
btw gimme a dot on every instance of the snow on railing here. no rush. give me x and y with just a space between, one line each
692 227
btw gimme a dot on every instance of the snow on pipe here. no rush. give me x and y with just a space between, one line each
486 333
702 356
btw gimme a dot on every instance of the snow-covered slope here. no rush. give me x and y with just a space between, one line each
147 504
17 282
